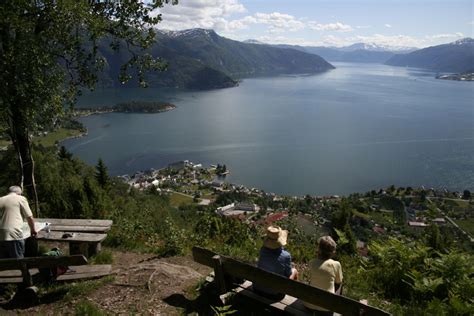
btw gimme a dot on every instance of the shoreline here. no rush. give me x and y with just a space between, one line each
84 112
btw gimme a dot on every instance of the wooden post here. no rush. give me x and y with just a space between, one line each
31 247
25 273
79 248
94 248
219 276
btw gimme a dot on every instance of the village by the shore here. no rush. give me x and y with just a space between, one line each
190 182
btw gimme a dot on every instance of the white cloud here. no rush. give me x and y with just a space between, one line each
279 22
217 15
445 36
388 25
337 27
363 26
471 23
210 14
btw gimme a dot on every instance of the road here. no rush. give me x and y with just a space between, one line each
452 222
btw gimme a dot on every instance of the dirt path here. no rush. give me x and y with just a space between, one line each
143 284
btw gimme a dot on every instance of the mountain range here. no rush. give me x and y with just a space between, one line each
358 52
455 57
201 59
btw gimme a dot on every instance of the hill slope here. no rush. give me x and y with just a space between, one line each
453 57
201 59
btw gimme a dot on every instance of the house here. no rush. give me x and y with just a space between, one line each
272 218
439 221
417 224
249 207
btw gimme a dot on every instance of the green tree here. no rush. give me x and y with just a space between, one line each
102 174
49 50
433 237
64 154
466 195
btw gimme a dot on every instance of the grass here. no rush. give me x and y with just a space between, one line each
103 257
86 308
467 225
360 214
177 199
71 290
54 137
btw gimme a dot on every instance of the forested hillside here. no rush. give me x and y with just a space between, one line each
201 59
405 272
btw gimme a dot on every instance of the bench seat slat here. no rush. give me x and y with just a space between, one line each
42 262
288 304
76 222
80 229
77 237
75 273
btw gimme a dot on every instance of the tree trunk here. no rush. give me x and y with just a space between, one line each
19 133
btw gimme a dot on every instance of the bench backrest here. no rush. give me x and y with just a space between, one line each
42 262
231 267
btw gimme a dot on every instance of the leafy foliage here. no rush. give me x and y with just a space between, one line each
416 275
49 50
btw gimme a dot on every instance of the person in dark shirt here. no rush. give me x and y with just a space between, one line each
274 258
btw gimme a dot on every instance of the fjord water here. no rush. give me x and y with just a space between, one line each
353 129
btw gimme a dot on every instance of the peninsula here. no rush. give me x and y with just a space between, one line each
465 76
128 107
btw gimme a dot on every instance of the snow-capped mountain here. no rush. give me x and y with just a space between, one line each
373 47
456 57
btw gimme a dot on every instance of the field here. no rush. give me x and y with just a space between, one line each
177 199
55 137
467 225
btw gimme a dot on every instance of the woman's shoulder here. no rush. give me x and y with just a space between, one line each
333 263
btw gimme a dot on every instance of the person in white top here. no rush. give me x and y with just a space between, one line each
325 273
14 210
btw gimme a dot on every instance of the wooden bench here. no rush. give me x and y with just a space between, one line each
25 264
24 271
227 269
87 234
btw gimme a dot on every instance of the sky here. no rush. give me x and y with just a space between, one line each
406 23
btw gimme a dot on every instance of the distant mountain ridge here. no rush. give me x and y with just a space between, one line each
201 59
456 57
239 59
358 52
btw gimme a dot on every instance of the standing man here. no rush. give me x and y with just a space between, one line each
14 209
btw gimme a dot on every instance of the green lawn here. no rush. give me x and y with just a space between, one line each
177 199
54 137
467 225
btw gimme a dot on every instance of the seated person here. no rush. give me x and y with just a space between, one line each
274 258
325 273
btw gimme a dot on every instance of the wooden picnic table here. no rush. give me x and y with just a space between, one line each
83 235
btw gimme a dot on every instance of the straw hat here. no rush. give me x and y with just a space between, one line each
276 237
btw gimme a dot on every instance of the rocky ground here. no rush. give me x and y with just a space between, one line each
142 284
